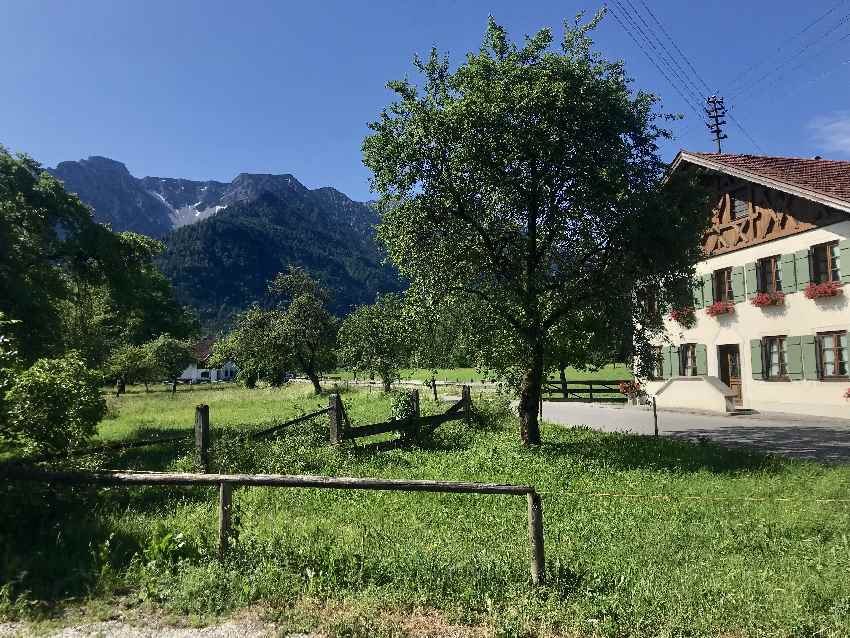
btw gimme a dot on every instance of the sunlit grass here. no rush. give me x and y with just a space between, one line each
616 566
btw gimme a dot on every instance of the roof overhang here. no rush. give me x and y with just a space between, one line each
793 189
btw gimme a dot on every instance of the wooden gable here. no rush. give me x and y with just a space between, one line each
745 214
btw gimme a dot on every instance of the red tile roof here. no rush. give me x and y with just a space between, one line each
825 177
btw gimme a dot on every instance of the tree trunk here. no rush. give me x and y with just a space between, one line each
314 379
146 387
434 386
529 398
174 387
562 371
388 385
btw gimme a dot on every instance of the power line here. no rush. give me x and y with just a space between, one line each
652 59
744 131
748 94
676 46
679 72
738 78
801 51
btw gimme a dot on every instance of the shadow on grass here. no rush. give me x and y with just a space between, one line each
630 451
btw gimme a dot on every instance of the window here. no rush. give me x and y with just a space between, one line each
723 285
832 354
770 274
688 360
826 264
740 207
775 357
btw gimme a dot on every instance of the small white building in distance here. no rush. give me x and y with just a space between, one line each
770 317
199 373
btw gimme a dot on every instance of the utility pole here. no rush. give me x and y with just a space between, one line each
716 111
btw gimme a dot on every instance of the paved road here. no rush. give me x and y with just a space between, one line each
821 439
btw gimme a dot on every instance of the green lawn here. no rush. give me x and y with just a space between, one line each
616 566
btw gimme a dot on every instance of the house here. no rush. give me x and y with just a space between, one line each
199 373
768 328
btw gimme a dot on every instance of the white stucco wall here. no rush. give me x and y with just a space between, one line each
799 316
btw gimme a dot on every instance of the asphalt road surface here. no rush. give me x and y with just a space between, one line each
795 436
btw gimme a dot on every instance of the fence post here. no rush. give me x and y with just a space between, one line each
655 415
202 436
225 517
535 537
467 403
414 403
590 390
336 421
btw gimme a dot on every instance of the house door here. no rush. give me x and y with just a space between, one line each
730 369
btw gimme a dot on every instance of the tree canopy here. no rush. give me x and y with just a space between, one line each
376 339
72 283
528 180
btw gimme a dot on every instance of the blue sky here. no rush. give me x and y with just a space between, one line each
206 90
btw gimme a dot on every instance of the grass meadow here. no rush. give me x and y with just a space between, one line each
616 566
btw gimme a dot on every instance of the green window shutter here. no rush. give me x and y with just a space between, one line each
810 357
674 362
702 359
844 260
789 280
756 359
666 362
801 268
707 291
697 290
751 279
794 357
738 284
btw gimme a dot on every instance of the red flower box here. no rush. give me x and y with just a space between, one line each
826 289
768 299
630 388
720 308
685 317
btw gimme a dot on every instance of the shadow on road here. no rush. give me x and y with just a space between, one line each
823 444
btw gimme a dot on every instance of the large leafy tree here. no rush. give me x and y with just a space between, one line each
169 357
73 283
529 180
257 345
377 339
306 325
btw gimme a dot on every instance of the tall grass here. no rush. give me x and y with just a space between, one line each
616 566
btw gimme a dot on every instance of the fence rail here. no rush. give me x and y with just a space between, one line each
590 390
341 429
226 483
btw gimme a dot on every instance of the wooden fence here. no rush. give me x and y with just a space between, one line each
341 428
590 390
226 483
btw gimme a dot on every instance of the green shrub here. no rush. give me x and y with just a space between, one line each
55 404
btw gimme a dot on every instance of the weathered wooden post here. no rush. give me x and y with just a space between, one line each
414 403
535 537
467 403
202 436
655 414
225 517
336 419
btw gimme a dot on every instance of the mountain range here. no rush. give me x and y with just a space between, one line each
225 241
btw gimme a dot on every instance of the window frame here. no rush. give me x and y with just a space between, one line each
836 348
766 358
688 360
726 295
831 263
657 363
739 195
770 282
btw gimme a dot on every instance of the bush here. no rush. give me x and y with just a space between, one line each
55 404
